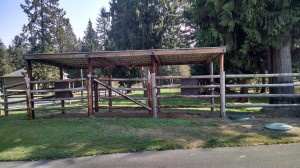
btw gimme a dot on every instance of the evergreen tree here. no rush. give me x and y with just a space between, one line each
5 66
47 32
248 29
144 24
103 27
90 40
16 50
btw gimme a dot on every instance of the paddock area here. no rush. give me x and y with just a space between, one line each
94 91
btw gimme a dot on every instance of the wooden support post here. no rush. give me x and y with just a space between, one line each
153 88
89 88
5 100
109 91
28 97
221 62
158 83
150 94
61 77
222 86
212 100
31 113
81 92
96 94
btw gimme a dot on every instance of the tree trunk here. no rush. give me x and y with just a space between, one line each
244 90
280 62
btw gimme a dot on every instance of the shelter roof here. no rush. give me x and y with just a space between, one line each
131 58
18 73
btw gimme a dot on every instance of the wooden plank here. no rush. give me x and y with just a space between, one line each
122 79
31 114
58 108
153 85
261 95
89 88
5 103
58 81
262 105
17 109
211 72
61 77
262 75
131 89
221 63
96 95
14 85
127 53
188 77
263 85
122 107
57 90
222 95
109 91
188 106
189 96
188 86
59 99
55 56
15 93
120 97
16 102
122 94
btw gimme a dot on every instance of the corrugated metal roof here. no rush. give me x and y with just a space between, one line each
132 58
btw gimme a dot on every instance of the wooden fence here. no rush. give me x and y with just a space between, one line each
264 95
36 98
105 92
103 89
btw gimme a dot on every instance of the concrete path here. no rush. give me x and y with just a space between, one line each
273 156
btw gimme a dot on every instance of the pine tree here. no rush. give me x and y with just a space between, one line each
144 24
16 50
90 40
5 66
47 31
103 27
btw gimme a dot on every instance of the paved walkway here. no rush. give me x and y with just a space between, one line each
273 156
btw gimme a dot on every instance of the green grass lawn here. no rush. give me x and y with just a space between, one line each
53 138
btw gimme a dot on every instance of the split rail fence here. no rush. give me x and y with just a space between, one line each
103 89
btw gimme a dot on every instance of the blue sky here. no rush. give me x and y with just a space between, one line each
12 17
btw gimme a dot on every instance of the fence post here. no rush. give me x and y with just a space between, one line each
5 102
153 89
212 100
96 94
28 98
222 95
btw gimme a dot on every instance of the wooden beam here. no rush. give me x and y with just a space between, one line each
122 94
109 91
188 77
221 62
30 111
153 64
61 77
153 85
212 100
222 95
96 94
89 88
